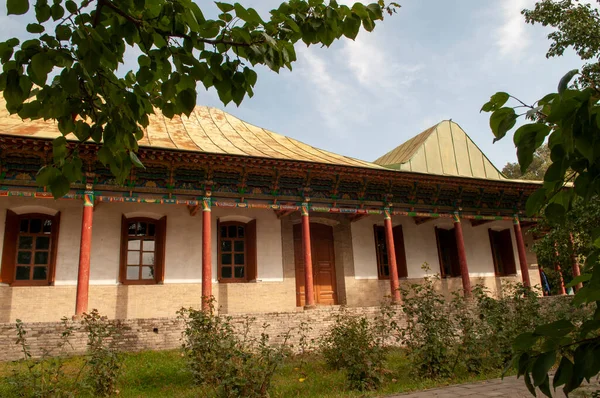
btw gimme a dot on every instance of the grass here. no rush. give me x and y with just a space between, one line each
164 374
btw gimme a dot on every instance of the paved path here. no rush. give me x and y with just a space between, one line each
507 387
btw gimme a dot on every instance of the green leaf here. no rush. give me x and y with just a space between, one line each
555 329
60 186
187 100
530 386
555 212
46 175
35 28
42 65
496 102
17 7
71 6
524 341
225 7
541 366
351 26
566 79
502 121
59 149
563 373
135 160
535 202
579 279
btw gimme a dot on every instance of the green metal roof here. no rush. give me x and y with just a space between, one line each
443 149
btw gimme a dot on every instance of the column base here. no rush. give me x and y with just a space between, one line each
309 307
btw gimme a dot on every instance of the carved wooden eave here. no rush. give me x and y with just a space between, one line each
173 174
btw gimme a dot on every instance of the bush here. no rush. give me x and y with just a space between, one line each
45 377
357 346
231 363
430 335
103 359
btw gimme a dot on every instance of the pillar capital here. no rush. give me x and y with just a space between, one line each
387 213
88 198
305 207
516 220
456 217
206 202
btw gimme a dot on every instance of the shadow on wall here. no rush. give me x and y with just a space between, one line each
222 298
122 302
6 297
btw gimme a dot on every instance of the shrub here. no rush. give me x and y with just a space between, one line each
430 335
234 364
45 377
357 346
103 359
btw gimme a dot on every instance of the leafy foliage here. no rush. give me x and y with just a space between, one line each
357 345
46 377
232 363
535 171
446 338
69 71
103 360
569 120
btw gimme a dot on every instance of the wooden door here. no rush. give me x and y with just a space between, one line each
323 264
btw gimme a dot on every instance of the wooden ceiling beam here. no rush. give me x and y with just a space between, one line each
193 209
477 223
356 217
423 220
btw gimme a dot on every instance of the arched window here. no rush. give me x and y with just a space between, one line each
237 251
29 253
142 250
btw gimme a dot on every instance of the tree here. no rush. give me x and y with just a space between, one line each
570 120
68 72
535 171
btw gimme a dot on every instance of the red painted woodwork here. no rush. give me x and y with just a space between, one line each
391 250
462 257
309 293
323 265
206 260
522 255
561 287
575 263
83 274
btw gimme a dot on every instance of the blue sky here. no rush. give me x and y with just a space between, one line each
434 60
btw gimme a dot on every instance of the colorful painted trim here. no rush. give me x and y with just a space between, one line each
264 206
88 199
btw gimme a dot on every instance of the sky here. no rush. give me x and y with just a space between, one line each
434 60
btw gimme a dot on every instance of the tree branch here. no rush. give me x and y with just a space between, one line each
139 22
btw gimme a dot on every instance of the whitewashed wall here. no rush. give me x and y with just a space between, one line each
183 254
421 247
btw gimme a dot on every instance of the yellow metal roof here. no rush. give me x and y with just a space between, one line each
443 149
208 130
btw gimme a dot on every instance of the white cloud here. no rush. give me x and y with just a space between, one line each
372 63
512 37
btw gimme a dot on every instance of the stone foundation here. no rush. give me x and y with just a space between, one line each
165 333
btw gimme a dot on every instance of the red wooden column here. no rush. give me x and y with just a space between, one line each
309 292
575 263
521 251
85 247
391 252
561 288
462 255
206 254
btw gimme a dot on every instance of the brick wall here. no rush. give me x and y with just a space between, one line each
165 333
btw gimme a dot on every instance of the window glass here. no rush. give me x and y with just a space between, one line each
232 252
140 258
